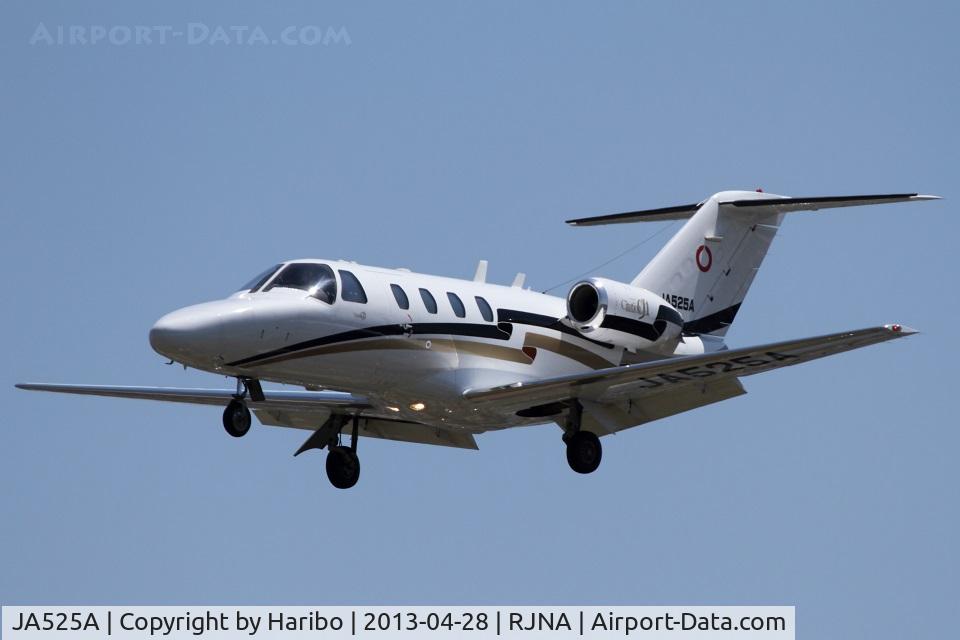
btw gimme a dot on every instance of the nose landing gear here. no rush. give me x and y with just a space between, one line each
236 418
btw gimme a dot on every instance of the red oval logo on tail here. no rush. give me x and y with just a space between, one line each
704 258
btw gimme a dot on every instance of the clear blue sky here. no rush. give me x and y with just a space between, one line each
138 179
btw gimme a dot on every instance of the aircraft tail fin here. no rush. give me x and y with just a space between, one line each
706 269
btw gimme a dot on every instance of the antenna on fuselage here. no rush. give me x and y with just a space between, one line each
481 273
519 280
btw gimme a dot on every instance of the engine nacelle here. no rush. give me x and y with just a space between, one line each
623 315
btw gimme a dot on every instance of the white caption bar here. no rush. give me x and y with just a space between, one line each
386 623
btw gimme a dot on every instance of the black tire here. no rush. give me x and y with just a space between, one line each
236 419
584 452
343 467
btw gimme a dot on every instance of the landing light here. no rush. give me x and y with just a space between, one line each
394 409
418 406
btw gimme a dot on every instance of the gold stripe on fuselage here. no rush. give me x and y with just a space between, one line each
567 349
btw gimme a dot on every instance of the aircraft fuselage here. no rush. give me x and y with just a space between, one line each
417 360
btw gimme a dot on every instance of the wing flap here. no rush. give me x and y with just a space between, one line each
631 411
374 427
672 374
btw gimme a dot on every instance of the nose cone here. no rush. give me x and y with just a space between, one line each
190 334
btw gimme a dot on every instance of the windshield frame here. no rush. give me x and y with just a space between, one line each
257 282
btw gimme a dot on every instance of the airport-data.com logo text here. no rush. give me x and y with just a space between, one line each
192 33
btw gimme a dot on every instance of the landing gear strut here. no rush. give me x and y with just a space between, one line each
584 451
343 464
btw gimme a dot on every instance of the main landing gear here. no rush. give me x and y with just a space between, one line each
584 451
343 467
343 464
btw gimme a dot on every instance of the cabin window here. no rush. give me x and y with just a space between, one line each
401 296
316 279
260 279
485 309
428 301
458 309
352 289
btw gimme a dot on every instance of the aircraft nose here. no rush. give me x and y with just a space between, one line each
187 334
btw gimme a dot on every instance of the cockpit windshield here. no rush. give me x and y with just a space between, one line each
316 279
260 279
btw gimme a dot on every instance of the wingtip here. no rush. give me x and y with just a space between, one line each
921 196
900 329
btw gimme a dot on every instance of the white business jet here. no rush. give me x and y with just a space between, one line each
387 353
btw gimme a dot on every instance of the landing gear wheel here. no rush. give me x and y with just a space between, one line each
236 418
584 451
343 467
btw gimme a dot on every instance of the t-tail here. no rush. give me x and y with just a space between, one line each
706 269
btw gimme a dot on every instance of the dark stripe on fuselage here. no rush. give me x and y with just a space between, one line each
669 314
626 325
712 322
633 327
500 331
547 322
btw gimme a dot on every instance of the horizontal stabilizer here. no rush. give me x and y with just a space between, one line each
789 205
681 212
760 204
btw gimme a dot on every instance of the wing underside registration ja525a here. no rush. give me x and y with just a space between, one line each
626 396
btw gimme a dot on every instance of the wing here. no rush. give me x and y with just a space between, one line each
283 408
221 397
619 397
